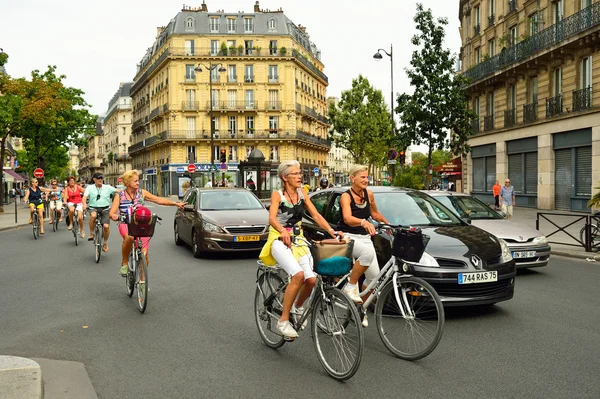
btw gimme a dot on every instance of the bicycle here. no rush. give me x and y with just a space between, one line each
98 233
137 274
594 233
35 221
54 216
335 319
408 313
75 228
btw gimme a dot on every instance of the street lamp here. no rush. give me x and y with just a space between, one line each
210 68
378 57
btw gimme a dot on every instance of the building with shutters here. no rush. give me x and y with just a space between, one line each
534 67
270 96
117 135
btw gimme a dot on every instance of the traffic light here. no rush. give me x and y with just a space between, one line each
402 158
223 157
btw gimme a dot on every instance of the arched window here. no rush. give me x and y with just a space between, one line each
189 23
272 24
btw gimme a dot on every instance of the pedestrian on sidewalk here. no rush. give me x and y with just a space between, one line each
496 190
507 195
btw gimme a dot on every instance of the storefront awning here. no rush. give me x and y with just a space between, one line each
451 173
14 176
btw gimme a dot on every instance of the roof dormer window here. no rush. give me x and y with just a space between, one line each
189 24
248 25
272 24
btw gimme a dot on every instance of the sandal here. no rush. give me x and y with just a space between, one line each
105 247
91 238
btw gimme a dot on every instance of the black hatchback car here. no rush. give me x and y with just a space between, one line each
465 265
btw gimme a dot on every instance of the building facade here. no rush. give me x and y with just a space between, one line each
91 155
534 67
117 135
258 75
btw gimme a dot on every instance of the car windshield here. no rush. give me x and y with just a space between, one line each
228 200
414 209
469 207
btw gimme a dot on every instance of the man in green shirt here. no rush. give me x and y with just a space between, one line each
100 199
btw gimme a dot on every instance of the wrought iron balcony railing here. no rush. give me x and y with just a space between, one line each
488 123
582 99
530 113
476 29
154 113
491 20
232 105
190 105
475 126
545 39
272 105
512 6
510 117
554 106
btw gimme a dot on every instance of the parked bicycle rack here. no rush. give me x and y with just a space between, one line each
587 243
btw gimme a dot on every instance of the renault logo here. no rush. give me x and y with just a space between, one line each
476 261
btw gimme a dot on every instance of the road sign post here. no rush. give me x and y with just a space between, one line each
191 168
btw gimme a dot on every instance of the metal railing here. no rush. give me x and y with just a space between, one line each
545 39
154 113
588 235
512 6
249 78
510 117
530 112
488 123
273 78
272 105
232 105
475 126
477 29
554 106
582 99
190 105
491 20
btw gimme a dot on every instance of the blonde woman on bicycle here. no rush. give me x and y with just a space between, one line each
285 215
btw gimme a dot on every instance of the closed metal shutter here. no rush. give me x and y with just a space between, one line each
583 180
478 174
531 172
490 171
563 179
515 172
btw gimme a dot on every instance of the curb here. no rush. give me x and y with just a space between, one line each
576 255
16 226
20 378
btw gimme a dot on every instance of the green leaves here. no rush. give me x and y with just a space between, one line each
361 123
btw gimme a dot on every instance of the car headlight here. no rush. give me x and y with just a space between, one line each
506 254
540 240
213 228
428 261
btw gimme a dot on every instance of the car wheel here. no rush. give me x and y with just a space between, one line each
176 234
196 244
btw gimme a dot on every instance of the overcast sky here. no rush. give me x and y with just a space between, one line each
97 44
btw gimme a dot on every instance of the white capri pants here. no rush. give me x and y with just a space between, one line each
56 204
364 252
285 258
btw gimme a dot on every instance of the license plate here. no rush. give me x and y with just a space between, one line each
478 277
246 238
523 254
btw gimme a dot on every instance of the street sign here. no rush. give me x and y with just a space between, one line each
191 168
223 166
180 169
39 173
391 162
316 171
392 155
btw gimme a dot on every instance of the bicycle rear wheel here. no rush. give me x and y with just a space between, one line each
337 334
36 226
98 242
54 220
141 281
76 230
411 323
130 277
266 315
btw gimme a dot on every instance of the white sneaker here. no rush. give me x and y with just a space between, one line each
286 329
353 293
298 312
365 321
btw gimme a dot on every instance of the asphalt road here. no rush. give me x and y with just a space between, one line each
198 338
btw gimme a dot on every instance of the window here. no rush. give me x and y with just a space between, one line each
274 153
492 48
320 202
216 124
558 11
512 97
190 127
272 24
231 73
191 154
213 25
232 124
189 47
250 123
477 55
533 90
533 24
477 16
513 33
189 24
214 74
476 106
273 75
586 72
273 123
190 74
557 82
231 25
248 25
190 96
249 46
249 96
492 6
215 97
231 98
232 154
214 47
249 74
585 3
273 99
273 47
190 198
489 104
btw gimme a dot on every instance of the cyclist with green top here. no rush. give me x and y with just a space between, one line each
100 199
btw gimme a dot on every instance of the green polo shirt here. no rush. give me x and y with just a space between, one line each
99 197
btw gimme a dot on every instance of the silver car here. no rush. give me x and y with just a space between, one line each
529 247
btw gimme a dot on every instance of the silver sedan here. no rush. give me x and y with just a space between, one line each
529 247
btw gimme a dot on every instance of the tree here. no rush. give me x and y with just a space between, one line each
56 164
361 123
437 113
410 177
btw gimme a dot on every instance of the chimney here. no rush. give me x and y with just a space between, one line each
204 7
302 28
256 7
159 30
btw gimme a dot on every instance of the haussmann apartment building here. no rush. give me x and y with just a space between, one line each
267 89
534 67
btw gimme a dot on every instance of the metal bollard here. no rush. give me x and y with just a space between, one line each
16 210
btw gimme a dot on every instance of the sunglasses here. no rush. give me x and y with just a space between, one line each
100 178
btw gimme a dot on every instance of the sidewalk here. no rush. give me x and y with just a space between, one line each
7 219
528 216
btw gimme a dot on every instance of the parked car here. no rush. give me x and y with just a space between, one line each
221 220
528 246
465 265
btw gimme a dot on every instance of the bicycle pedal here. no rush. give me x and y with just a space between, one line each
289 339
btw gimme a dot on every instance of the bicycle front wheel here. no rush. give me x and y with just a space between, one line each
410 321
98 242
76 231
337 334
130 277
267 314
36 226
141 280
54 219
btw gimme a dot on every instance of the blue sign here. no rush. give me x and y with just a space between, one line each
180 170
316 170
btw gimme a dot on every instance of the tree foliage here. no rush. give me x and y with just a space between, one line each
410 176
57 162
438 158
438 104
361 123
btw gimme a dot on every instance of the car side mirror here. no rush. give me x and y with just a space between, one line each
188 208
466 220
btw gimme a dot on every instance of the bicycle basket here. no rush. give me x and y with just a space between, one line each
332 257
142 229
409 244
